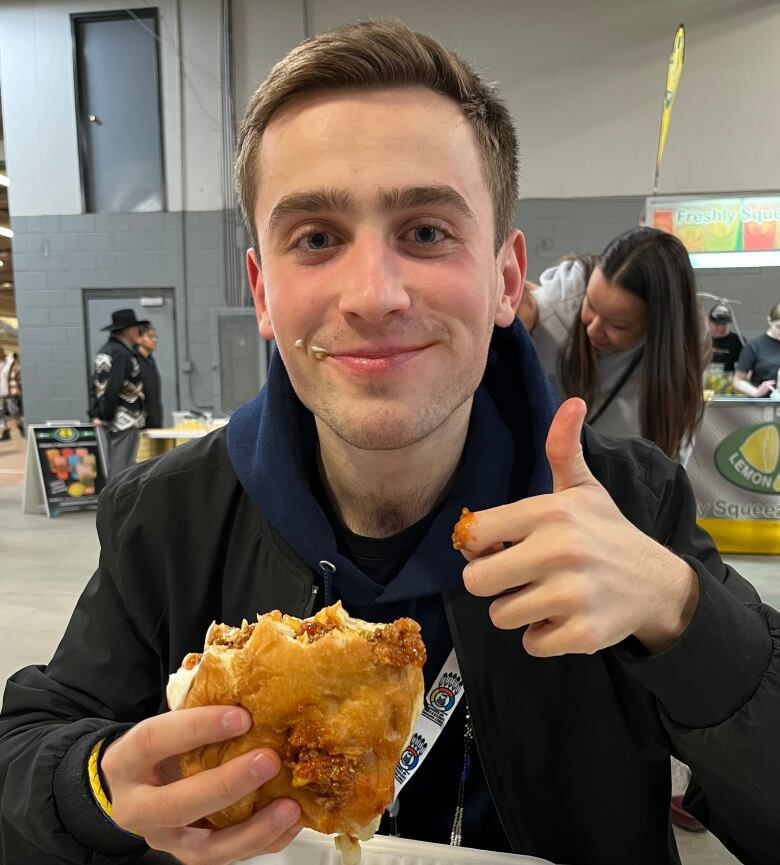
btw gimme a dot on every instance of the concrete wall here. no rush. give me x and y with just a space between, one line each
58 257
585 82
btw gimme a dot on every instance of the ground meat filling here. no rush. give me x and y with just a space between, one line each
399 644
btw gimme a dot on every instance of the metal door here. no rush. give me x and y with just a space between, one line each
241 358
157 306
118 111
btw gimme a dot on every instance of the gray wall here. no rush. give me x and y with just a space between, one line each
555 227
57 257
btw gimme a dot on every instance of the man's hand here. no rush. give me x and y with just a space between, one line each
571 567
97 422
765 388
149 796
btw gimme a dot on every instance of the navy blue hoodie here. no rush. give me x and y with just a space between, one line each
272 445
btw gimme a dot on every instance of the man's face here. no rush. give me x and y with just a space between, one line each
719 329
148 339
774 327
376 238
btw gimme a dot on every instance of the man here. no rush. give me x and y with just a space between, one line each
596 631
150 377
117 406
5 372
726 345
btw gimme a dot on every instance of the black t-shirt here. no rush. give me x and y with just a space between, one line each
726 350
428 801
761 356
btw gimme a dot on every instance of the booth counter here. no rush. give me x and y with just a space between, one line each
735 473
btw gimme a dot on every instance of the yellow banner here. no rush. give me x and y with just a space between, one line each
673 75
744 536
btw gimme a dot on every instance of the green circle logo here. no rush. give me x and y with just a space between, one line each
750 458
66 434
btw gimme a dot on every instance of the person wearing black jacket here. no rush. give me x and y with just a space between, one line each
150 376
596 628
117 405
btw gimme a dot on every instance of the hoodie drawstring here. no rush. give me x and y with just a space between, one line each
327 569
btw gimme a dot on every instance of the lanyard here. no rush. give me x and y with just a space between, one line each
438 708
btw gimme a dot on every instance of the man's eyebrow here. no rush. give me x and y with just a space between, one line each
417 196
316 200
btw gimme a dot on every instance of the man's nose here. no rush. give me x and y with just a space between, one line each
372 286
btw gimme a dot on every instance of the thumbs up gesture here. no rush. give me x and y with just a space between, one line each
570 567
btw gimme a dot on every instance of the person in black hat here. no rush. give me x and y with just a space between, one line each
726 345
117 405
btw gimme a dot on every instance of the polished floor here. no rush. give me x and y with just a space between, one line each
44 565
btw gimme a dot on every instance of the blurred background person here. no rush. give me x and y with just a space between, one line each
726 346
5 370
150 375
117 407
758 368
623 330
15 403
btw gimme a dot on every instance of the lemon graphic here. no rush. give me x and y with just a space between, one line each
77 489
776 484
762 449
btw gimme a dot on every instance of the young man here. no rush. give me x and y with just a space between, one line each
726 345
595 626
150 377
117 406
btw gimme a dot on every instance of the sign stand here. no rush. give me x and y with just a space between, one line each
65 468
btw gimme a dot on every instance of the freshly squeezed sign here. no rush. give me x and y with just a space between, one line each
747 224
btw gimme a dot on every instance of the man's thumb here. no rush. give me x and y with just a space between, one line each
564 448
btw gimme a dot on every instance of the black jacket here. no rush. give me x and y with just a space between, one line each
150 376
575 749
117 390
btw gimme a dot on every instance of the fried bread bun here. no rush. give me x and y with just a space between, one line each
337 698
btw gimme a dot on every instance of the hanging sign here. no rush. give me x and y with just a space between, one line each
673 76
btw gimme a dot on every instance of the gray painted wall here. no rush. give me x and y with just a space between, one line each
555 227
57 257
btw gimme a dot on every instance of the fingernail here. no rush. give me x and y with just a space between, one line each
236 721
286 813
263 766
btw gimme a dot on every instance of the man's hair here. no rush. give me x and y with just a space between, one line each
774 313
383 54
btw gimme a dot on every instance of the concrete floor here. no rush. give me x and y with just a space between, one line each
44 565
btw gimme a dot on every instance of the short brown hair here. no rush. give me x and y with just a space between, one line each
383 54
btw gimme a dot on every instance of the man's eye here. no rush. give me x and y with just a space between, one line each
315 240
427 234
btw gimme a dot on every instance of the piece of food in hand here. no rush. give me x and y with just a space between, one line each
337 699
461 534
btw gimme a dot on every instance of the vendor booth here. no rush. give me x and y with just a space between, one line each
735 472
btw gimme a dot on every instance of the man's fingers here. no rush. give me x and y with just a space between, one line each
187 801
173 733
564 447
267 831
527 606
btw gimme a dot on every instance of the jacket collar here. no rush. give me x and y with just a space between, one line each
272 445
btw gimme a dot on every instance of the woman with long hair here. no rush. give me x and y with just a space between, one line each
623 330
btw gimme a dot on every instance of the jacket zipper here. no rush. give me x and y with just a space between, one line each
307 610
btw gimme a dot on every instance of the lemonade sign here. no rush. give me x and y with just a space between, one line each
728 224
750 458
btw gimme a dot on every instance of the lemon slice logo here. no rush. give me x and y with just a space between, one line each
750 458
762 449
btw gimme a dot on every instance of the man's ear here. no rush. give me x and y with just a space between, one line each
512 265
257 285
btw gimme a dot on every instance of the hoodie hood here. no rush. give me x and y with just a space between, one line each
272 445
